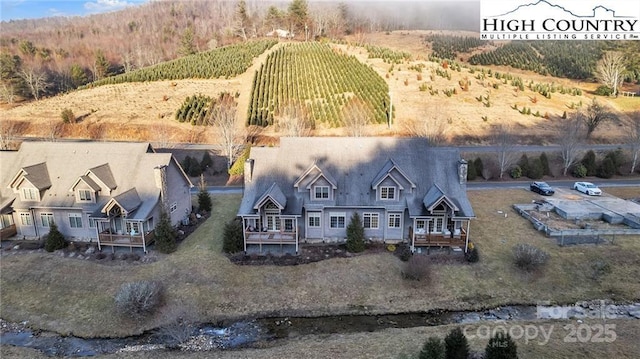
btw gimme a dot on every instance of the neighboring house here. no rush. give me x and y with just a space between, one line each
308 188
284 34
111 193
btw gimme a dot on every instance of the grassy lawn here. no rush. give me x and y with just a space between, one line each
73 296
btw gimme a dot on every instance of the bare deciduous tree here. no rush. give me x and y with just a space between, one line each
292 119
610 70
432 129
241 20
355 115
595 115
36 81
162 134
54 130
571 132
633 138
222 116
9 130
503 140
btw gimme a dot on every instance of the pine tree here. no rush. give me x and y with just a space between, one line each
479 166
589 162
55 239
355 234
187 46
102 67
165 236
206 161
204 200
546 171
433 348
456 345
501 346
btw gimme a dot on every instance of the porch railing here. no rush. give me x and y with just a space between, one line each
125 240
439 239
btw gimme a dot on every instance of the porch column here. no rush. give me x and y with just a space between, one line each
144 241
244 234
297 235
466 244
413 236
98 225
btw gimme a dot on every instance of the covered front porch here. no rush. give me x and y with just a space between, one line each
117 226
439 232
271 230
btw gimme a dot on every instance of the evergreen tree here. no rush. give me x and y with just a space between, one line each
501 346
204 200
78 75
433 348
165 236
607 168
479 166
471 172
298 15
589 162
536 170
355 234
232 239
456 345
187 42
544 161
524 165
206 161
102 67
55 239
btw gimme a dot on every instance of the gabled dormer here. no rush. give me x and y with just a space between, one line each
436 202
102 177
85 189
272 199
390 181
320 184
31 182
123 204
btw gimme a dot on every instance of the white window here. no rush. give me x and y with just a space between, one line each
174 207
92 223
133 228
314 220
435 226
395 220
321 192
75 220
29 194
46 219
337 219
84 195
25 219
288 225
388 193
370 220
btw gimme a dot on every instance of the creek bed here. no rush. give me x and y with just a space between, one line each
249 333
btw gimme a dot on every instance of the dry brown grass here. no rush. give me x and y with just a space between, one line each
132 111
68 295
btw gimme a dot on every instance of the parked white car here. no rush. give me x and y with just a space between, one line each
587 188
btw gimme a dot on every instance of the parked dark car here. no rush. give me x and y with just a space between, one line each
543 188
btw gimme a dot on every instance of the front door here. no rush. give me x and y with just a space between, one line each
273 222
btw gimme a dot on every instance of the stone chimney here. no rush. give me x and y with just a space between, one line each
160 176
248 170
462 171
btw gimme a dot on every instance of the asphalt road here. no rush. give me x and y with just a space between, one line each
480 185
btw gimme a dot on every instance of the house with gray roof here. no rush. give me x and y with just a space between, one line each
109 193
307 189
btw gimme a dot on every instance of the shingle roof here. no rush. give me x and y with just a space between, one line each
354 164
120 166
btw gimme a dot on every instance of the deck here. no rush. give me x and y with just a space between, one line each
125 240
269 237
440 239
